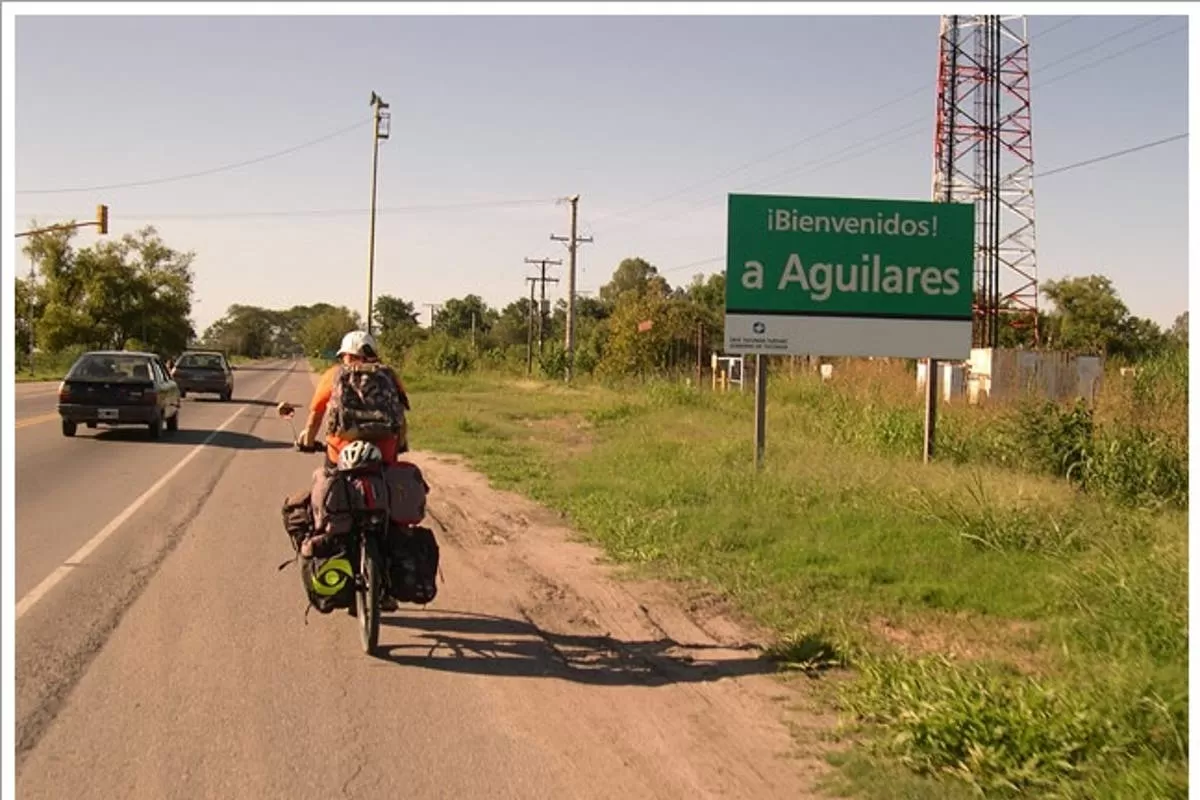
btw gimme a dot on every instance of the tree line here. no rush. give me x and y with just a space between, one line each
129 293
640 325
136 293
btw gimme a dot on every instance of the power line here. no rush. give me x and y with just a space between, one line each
319 212
1109 57
898 132
1104 41
201 173
768 156
692 264
891 138
1110 156
1053 28
924 87
1055 171
823 162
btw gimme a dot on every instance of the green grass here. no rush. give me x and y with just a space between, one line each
1007 632
38 375
48 366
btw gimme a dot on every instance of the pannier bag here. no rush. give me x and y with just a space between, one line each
413 555
408 492
298 518
329 575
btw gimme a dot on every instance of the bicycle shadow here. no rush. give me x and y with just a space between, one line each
479 644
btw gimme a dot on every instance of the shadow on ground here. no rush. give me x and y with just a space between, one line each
480 644
231 440
235 401
284 367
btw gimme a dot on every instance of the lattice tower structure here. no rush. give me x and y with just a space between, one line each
983 154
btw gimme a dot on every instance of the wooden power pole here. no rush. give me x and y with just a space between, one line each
573 241
541 309
529 335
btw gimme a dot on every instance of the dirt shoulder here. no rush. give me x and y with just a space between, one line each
715 722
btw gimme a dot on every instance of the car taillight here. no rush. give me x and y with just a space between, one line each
64 393
149 398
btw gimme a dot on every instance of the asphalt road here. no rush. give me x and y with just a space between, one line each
161 654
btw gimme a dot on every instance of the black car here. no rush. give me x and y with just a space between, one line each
118 387
204 372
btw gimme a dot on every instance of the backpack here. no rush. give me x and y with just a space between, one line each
412 564
366 404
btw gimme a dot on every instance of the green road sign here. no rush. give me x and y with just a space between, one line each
842 276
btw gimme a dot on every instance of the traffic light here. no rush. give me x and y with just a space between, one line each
102 218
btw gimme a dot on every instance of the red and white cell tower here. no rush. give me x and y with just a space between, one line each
983 154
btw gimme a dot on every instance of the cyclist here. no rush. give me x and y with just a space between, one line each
357 347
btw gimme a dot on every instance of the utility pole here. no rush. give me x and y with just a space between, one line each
381 130
573 241
529 336
541 309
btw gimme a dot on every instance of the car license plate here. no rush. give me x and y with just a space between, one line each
108 413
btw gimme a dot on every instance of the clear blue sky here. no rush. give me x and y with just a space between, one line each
622 110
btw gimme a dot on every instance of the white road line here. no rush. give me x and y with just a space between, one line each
54 578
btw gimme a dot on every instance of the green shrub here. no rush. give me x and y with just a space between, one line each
443 354
1011 735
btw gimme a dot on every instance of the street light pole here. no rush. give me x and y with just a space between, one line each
379 131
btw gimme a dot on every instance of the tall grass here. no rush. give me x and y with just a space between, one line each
49 366
1131 448
1014 616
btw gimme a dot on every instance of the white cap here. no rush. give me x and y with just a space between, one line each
354 342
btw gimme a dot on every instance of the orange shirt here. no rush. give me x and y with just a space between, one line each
334 444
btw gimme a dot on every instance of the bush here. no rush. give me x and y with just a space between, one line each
510 359
553 361
54 365
1055 440
1132 447
1009 735
1133 464
1138 467
443 354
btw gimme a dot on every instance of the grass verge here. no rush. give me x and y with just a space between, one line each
1007 633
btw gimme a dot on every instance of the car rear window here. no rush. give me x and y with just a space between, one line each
202 361
112 368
